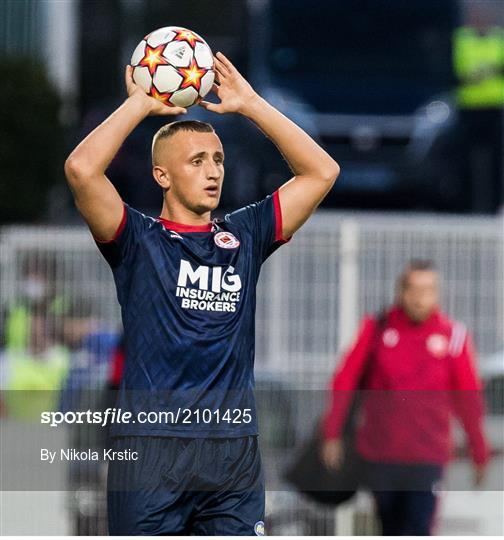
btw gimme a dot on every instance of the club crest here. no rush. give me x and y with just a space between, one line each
226 240
259 528
390 337
437 345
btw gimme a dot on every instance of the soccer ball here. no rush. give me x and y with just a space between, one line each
174 65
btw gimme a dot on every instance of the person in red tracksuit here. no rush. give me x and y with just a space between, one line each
416 368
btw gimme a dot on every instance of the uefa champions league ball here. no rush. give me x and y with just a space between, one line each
174 65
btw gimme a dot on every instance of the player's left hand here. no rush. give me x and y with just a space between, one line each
234 92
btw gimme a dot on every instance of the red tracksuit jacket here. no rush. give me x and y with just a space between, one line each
413 377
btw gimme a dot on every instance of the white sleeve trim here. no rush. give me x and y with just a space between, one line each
457 340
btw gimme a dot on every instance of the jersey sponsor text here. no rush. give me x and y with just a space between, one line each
216 290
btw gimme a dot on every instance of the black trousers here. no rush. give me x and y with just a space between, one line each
404 496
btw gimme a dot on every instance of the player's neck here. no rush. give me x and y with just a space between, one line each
178 213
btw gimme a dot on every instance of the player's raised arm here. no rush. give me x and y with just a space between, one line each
314 170
95 196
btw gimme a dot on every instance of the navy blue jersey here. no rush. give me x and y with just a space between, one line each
188 296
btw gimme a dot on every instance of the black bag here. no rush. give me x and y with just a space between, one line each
309 475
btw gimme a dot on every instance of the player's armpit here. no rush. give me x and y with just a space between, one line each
97 200
314 169
299 198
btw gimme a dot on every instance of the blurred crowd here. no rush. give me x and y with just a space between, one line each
53 345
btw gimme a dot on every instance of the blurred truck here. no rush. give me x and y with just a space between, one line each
372 80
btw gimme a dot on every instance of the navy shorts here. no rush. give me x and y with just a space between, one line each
186 486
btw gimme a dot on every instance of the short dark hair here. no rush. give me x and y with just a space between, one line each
422 265
168 130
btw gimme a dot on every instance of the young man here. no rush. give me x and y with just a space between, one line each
186 286
419 367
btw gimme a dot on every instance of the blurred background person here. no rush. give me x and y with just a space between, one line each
35 359
91 344
478 52
415 371
34 375
35 296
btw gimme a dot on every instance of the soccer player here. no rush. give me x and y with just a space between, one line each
186 286
419 368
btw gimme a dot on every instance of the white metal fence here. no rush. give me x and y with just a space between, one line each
313 290
311 296
340 266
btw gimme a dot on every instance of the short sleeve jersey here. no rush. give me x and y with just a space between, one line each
187 297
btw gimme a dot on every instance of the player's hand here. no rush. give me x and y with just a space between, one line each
479 474
332 454
155 107
234 92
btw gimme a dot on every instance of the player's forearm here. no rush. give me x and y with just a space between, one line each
94 154
304 156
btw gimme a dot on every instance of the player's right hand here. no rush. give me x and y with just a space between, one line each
156 107
332 453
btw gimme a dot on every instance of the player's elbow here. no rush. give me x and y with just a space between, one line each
334 171
330 172
76 171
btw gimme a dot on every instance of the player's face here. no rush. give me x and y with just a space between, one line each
420 295
195 167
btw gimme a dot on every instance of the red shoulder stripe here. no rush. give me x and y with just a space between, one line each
119 229
278 218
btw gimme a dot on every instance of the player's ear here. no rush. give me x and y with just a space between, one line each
161 176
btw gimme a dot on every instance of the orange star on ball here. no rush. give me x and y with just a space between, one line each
161 96
186 35
153 57
192 76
